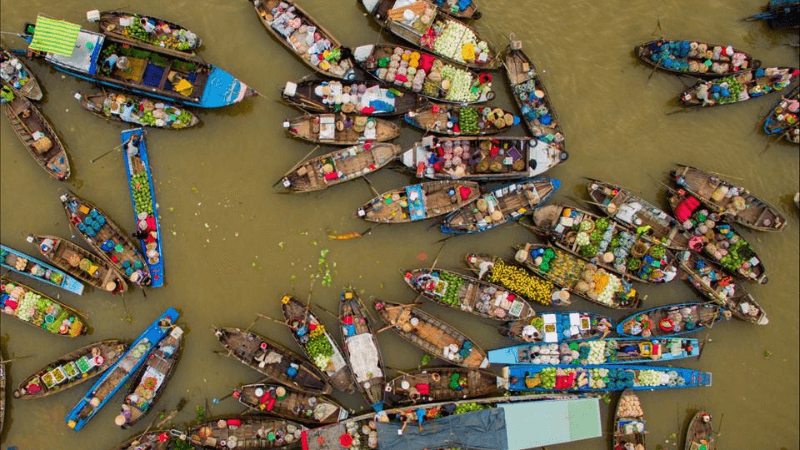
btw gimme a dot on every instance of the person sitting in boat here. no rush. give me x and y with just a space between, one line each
604 326
110 61
420 417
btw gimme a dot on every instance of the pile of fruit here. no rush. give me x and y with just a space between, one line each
463 408
176 39
726 90
547 377
468 120
520 281
598 378
142 197
318 347
454 283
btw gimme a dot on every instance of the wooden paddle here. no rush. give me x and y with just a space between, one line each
14 359
106 153
371 187
264 316
296 165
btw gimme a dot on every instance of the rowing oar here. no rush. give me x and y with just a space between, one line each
106 153
296 165
264 316
371 187
398 370
329 312
14 359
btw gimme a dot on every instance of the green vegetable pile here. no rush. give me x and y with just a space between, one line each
548 377
589 251
468 407
319 348
658 251
137 31
734 89
601 224
468 120
142 197
454 283
738 253
596 236
520 281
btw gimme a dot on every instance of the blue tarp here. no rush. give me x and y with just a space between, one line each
478 430
416 207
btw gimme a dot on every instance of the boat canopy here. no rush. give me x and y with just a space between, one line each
84 57
55 36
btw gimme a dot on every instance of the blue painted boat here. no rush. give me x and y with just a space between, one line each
591 353
602 378
777 122
672 320
780 14
561 326
118 374
143 198
39 270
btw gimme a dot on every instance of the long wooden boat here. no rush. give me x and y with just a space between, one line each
438 384
71 369
436 32
106 238
783 120
482 158
2 390
369 97
80 263
143 199
633 211
419 201
149 32
118 374
40 311
146 70
35 132
339 166
461 120
729 200
532 98
38 270
780 14
458 9
547 378
153 440
424 73
432 335
246 433
671 320
272 360
532 288
341 129
560 326
699 434
500 206
305 37
291 404
686 57
708 278
123 107
717 238
317 343
629 423
603 351
20 78
362 349
743 86
468 294
608 244
148 384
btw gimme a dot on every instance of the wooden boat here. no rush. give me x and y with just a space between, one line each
152 440
339 166
328 96
699 434
349 129
120 372
144 112
106 238
432 77
629 424
149 32
71 369
672 320
500 206
2 390
708 278
782 120
272 360
686 57
728 248
438 384
468 294
745 85
729 200
419 201
430 26
603 351
457 9
532 98
141 68
40 311
70 257
532 288
148 384
20 78
633 211
290 404
606 243
317 344
481 158
246 433
305 38
543 378
780 14
362 349
143 199
561 326
432 335
35 132
461 120
38 270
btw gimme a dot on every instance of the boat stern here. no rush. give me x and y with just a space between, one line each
502 381
484 363
763 320
222 89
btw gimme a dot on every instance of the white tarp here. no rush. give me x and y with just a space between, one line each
363 356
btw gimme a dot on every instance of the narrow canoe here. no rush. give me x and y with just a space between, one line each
783 120
560 326
543 378
419 201
143 198
344 129
458 9
686 57
743 86
152 440
432 335
439 384
272 360
246 433
461 120
370 98
671 320
71 369
20 77
532 288
70 257
40 311
149 32
629 424
140 111
780 14
699 433
291 404
38 270
362 349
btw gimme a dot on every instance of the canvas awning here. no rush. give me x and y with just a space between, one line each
54 36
